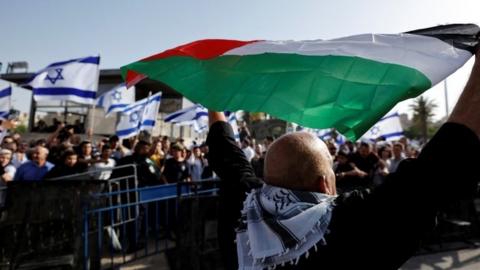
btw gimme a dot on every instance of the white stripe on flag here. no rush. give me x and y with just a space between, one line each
139 116
117 99
389 127
73 80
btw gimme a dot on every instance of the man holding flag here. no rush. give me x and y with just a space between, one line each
297 221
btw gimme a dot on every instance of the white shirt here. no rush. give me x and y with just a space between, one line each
101 169
16 162
249 153
196 168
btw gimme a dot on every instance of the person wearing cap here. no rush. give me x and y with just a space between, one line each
176 168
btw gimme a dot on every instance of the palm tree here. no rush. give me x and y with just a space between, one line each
422 114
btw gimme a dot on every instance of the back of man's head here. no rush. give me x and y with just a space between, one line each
299 161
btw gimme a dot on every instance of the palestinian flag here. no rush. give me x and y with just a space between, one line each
346 83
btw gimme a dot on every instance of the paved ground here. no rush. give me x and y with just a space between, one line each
465 259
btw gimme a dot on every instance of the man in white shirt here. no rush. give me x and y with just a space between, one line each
247 149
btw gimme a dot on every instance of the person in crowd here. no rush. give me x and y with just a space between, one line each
148 174
384 162
7 140
258 160
36 168
196 163
376 228
20 156
332 148
85 154
7 172
244 132
118 151
247 149
398 156
68 167
268 141
350 147
176 168
103 167
347 174
207 170
364 160
166 147
156 153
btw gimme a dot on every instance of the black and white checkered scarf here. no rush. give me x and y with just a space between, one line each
279 225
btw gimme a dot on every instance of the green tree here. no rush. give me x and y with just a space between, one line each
422 116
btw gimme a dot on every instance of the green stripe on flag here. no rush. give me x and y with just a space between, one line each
348 93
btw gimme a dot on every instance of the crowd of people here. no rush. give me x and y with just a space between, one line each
356 164
163 160
65 155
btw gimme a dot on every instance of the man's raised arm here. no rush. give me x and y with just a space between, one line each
225 156
467 111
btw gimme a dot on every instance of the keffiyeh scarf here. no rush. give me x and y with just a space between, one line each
279 225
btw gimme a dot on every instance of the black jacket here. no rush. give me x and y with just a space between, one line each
370 229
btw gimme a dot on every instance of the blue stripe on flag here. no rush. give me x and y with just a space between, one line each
63 91
389 116
394 134
89 60
115 106
6 92
155 98
126 132
199 114
148 122
173 116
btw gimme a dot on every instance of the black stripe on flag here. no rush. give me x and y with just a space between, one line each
461 36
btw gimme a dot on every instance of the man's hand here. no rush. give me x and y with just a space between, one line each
9 124
215 117
466 111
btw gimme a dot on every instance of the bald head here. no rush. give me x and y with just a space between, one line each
300 161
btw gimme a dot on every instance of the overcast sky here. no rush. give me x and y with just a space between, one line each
122 31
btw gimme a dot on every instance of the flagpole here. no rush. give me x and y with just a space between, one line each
93 108
92 121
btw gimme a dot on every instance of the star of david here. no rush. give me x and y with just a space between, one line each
134 116
58 76
375 130
117 95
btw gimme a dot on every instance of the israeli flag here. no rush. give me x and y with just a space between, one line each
5 102
389 127
232 120
73 80
195 116
117 99
141 115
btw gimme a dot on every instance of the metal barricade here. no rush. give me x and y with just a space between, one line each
143 225
41 224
